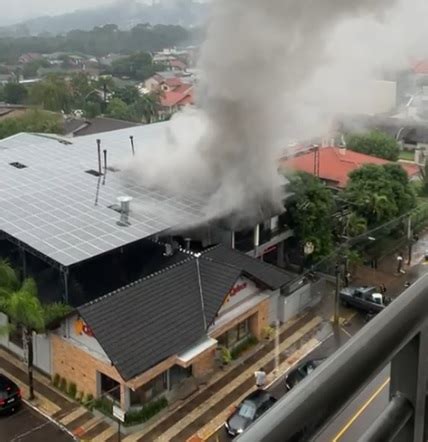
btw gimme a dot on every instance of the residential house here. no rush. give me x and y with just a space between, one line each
77 127
174 100
29 57
334 164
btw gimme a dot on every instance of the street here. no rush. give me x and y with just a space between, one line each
28 425
361 412
330 343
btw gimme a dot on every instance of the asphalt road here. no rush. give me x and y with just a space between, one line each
27 425
332 341
349 425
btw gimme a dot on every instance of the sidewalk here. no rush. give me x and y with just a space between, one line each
69 415
201 413
204 411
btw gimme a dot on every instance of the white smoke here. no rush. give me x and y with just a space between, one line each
276 71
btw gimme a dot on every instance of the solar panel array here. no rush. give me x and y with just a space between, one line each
58 209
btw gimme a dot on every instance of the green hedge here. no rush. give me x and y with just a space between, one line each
146 413
246 344
104 405
132 417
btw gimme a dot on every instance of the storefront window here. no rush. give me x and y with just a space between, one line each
110 387
234 335
149 391
178 374
243 329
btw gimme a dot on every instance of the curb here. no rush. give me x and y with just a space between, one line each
50 419
196 438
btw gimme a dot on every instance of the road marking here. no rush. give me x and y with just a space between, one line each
346 332
360 411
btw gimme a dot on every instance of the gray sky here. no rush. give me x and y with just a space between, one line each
17 10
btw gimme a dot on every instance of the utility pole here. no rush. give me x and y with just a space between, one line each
409 239
336 294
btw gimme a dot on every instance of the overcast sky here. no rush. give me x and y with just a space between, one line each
16 10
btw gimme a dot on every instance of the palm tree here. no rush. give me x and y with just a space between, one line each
148 106
22 305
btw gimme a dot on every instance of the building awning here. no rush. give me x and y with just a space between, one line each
186 357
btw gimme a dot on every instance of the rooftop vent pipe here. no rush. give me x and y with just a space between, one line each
99 155
132 145
124 202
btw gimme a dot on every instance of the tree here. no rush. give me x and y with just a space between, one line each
310 212
15 93
20 302
147 107
92 110
138 66
30 70
32 121
374 143
128 94
120 110
380 193
53 94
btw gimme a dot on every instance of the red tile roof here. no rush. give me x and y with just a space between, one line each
173 82
336 164
420 67
174 98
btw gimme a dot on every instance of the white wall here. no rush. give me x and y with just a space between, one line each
41 347
246 289
87 343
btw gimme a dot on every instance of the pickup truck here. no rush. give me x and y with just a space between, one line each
366 299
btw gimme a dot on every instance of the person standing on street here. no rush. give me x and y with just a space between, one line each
260 376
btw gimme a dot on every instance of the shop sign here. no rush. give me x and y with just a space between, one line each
81 328
238 288
118 413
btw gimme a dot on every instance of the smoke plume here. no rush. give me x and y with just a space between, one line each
275 71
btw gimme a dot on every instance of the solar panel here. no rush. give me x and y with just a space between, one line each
53 206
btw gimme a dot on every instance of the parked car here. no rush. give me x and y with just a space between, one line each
10 395
251 408
366 299
300 372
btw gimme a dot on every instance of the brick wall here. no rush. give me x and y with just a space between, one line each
204 364
260 319
78 366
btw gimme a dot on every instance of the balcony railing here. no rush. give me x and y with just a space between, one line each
397 336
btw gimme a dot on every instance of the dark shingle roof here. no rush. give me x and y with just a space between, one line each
161 315
268 274
216 282
148 321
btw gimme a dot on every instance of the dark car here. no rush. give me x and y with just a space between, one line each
300 372
251 408
365 299
10 395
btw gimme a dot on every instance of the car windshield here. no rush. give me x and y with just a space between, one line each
247 410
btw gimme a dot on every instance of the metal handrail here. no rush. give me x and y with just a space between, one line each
321 395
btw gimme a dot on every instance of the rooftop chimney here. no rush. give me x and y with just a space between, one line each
124 202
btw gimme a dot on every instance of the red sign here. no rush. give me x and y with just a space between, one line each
82 328
238 288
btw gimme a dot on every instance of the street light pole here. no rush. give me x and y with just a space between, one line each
336 295
409 238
